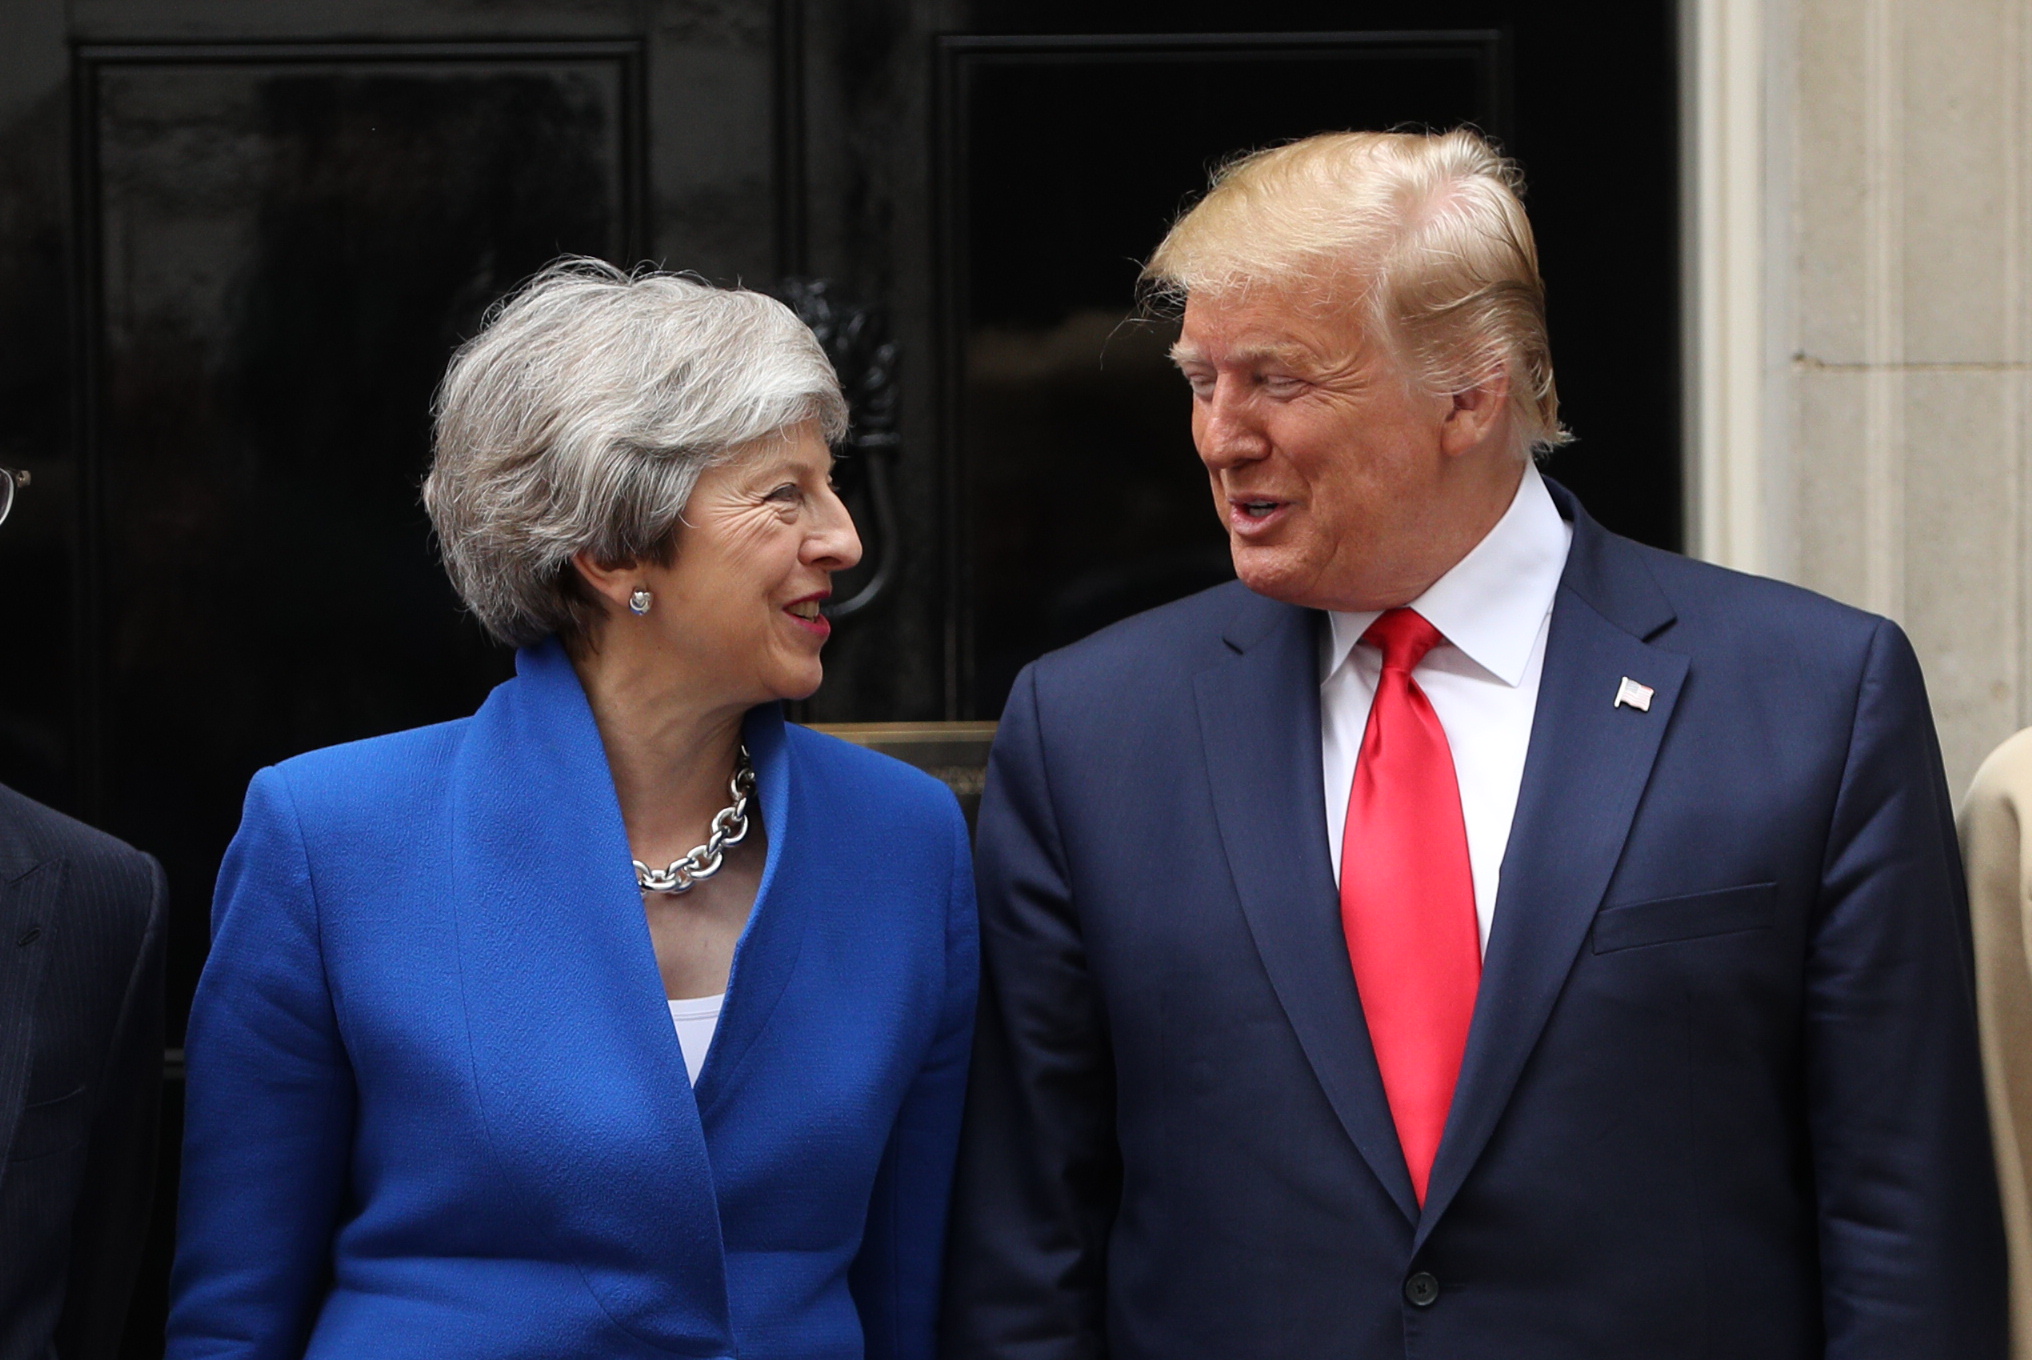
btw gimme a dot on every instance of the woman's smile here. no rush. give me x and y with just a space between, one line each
805 613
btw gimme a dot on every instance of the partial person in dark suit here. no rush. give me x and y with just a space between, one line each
1471 935
81 952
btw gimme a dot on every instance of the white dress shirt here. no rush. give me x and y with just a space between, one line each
1494 609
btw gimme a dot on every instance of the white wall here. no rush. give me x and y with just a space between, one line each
1859 267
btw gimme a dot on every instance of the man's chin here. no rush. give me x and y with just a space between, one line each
1263 572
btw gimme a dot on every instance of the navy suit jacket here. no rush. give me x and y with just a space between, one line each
437 1107
1721 1097
81 955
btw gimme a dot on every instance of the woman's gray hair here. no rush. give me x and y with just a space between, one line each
580 418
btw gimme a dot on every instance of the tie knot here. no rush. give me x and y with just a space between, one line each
1404 637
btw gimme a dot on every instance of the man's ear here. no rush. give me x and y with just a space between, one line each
1476 415
612 581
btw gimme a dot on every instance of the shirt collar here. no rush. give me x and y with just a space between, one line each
1490 605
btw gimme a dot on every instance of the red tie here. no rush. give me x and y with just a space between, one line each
1408 896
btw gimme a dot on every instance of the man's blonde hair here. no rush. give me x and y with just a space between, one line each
1427 228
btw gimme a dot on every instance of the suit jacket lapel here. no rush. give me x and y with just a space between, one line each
27 901
1259 721
565 1011
1588 763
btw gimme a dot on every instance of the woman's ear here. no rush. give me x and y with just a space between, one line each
612 581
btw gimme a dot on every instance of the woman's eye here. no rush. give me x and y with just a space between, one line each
787 492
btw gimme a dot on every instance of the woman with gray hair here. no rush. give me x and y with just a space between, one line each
622 1018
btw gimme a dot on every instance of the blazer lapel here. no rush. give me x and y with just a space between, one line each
580 1075
27 899
1588 763
767 952
1259 720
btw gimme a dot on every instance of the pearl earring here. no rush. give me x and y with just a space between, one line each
639 602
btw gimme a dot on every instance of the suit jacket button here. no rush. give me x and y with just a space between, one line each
1421 1290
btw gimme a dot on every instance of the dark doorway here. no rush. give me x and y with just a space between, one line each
1081 500
992 174
284 246
241 241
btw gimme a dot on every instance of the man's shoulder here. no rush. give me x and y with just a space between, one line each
1179 633
31 834
1131 687
1768 626
1722 607
29 829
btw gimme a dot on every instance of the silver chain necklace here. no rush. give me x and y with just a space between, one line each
729 829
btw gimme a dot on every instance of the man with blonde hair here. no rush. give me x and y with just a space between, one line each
1472 935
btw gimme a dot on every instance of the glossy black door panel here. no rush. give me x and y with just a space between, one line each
1080 498
289 244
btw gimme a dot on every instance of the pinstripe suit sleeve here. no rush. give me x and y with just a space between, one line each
269 1116
110 1227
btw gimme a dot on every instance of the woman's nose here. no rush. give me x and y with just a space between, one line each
836 545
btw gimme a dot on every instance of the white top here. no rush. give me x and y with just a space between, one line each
1494 608
696 1019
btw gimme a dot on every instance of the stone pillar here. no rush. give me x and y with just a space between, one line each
1863 429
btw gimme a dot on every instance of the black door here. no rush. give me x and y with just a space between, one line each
237 244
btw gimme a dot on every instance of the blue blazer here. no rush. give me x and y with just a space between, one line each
437 1107
1721 1097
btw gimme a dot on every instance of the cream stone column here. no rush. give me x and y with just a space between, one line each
1857 366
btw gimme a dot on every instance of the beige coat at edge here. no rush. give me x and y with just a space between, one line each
1996 845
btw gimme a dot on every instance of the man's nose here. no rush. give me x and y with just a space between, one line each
1226 430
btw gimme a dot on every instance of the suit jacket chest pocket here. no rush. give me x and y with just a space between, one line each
1700 916
50 1126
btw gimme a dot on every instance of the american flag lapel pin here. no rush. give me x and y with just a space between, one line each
1635 695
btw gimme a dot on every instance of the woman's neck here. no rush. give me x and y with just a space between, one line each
670 745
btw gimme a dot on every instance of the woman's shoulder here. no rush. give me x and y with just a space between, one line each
380 775
850 775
